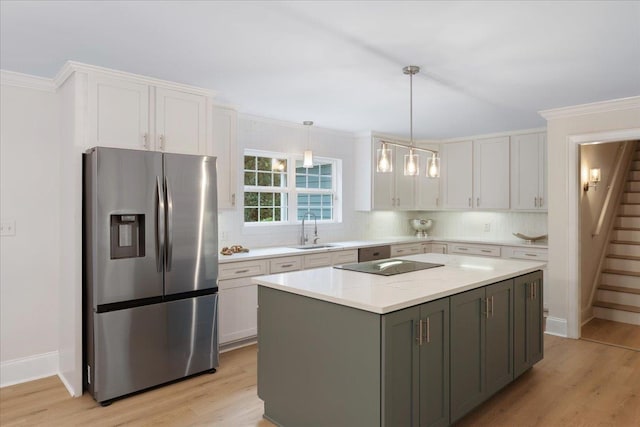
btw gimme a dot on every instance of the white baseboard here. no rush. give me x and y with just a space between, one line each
67 385
556 326
29 368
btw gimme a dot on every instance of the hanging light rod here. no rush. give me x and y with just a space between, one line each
397 144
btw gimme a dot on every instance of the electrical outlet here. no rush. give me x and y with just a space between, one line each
487 227
8 228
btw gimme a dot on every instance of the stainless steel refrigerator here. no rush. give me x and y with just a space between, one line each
150 269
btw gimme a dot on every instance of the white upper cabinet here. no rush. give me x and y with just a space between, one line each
118 113
528 172
427 189
404 186
491 173
180 122
131 113
393 190
476 174
457 175
225 149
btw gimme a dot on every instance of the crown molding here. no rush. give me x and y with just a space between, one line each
495 135
11 78
592 108
71 67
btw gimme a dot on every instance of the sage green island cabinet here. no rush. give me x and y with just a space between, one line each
528 322
481 345
416 366
342 348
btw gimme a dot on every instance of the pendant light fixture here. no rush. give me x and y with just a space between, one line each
411 160
307 160
384 157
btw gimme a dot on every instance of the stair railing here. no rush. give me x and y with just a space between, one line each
614 192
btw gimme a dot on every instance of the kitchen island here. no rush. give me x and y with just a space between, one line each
344 348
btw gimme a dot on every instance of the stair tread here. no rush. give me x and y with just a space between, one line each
625 242
628 216
629 257
623 307
619 289
622 272
627 228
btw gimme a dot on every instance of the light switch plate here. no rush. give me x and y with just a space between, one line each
8 227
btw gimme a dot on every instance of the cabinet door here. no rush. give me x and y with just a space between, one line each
491 173
427 191
528 176
118 113
180 122
401 367
457 167
468 310
404 185
499 339
434 364
238 309
225 149
528 322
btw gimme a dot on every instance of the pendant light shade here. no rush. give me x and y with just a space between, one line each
307 159
433 166
384 163
411 164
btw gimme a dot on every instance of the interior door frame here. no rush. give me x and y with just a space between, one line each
574 190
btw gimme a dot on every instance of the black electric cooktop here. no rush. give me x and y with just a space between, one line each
388 267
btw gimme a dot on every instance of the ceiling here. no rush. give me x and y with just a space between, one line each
487 66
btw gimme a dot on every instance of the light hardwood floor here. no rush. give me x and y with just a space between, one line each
614 333
578 383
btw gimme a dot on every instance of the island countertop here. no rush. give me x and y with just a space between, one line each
385 294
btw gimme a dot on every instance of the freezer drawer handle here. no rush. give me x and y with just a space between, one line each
159 226
169 224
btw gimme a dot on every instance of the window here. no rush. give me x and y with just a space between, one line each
276 193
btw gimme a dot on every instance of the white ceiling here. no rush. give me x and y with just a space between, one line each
487 66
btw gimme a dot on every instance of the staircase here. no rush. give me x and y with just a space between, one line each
618 295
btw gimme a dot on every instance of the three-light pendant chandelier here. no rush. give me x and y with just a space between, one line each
384 156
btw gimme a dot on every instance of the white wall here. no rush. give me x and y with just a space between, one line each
285 137
564 126
29 261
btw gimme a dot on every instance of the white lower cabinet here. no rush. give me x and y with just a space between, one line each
438 248
238 301
406 249
536 254
344 257
482 250
317 260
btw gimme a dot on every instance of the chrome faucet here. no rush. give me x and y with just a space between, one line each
303 237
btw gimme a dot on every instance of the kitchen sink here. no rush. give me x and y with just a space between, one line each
311 246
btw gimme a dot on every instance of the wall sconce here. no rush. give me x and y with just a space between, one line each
594 179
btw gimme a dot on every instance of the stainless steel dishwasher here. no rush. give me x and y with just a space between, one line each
373 253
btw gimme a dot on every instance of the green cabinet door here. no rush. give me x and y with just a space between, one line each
467 351
528 321
400 359
499 337
434 364
416 366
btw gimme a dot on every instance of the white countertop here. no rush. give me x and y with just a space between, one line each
271 252
384 294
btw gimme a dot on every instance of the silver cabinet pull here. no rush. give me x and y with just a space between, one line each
398 201
145 140
535 290
233 199
242 271
463 249
477 201
419 332
469 201
428 331
486 251
437 201
540 202
530 254
161 142
286 265
535 202
486 308
492 306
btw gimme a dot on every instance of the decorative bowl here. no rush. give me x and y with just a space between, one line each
530 239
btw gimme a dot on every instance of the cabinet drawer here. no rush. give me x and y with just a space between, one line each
527 253
281 265
438 248
234 270
344 257
317 260
475 250
410 249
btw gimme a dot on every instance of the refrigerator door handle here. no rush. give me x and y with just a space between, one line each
169 224
160 226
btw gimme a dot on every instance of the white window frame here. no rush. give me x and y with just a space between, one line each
292 191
